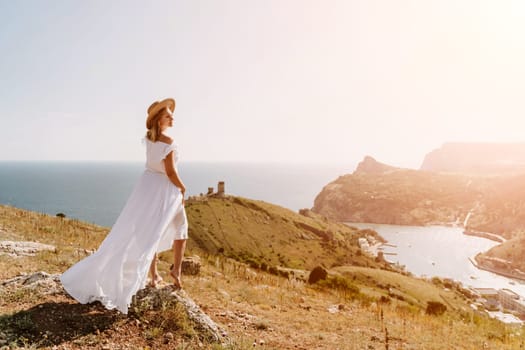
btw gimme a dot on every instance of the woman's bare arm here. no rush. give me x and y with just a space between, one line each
172 173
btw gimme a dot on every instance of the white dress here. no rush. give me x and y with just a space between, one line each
152 218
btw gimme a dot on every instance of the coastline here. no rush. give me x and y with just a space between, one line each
498 266
479 261
492 236
487 264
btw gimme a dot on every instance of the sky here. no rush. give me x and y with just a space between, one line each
302 81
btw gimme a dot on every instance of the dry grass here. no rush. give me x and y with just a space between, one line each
288 314
253 306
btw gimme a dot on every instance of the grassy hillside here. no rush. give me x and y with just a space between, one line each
358 307
261 233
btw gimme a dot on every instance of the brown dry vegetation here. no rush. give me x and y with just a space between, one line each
358 308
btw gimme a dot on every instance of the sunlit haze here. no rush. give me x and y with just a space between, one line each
260 81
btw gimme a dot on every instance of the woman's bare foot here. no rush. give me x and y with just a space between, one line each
154 282
176 280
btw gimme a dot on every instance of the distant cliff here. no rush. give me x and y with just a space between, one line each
477 158
371 166
378 193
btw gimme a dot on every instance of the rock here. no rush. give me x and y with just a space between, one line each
317 274
35 277
155 298
225 294
168 337
21 248
46 283
191 265
41 281
306 307
333 309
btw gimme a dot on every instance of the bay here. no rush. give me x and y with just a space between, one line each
441 251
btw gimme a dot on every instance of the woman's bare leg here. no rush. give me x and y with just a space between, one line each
178 253
155 277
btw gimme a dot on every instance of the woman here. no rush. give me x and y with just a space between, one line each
153 220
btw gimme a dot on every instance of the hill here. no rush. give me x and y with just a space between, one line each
477 158
415 197
257 232
357 307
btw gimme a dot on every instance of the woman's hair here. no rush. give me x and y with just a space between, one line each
154 132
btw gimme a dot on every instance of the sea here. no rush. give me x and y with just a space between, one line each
97 191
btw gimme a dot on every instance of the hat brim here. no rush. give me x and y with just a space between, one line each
168 102
157 107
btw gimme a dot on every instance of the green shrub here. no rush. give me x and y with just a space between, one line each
317 274
283 273
341 284
273 270
384 299
435 308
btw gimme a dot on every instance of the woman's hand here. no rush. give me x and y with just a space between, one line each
183 191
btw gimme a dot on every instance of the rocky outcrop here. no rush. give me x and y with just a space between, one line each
18 249
41 282
191 265
477 158
371 166
150 298
155 299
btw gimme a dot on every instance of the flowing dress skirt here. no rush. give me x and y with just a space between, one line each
152 218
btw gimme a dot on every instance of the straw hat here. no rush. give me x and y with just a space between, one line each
156 107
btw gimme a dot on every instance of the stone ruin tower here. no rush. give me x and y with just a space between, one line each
220 189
